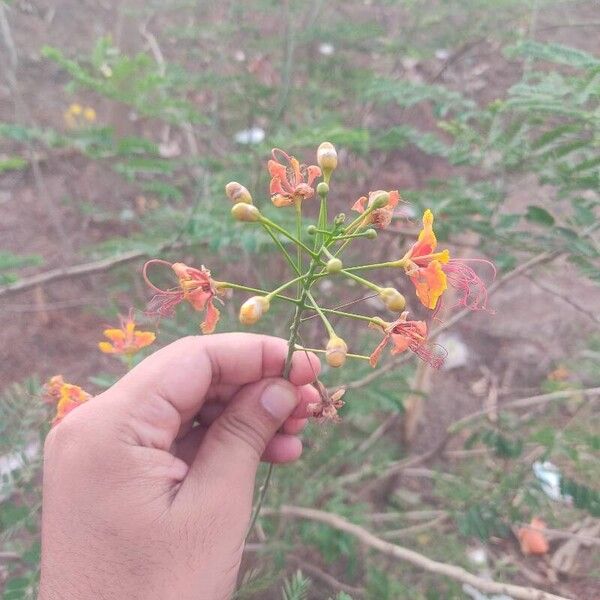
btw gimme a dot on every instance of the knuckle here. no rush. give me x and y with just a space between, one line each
234 424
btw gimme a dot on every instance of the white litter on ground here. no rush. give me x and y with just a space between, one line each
458 352
254 135
548 475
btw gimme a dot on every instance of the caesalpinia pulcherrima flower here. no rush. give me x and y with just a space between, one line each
407 335
196 286
380 217
126 339
432 271
65 396
291 182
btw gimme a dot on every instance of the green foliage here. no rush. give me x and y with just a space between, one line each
584 497
11 263
296 588
482 521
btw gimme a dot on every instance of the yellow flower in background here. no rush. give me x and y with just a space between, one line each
65 395
78 116
126 339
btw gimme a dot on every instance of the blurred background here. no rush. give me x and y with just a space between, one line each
121 122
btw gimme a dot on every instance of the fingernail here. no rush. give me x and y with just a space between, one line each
279 400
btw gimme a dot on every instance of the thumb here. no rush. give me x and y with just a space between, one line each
233 445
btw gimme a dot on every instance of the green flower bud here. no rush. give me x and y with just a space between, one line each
323 189
370 234
311 230
334 265
380 199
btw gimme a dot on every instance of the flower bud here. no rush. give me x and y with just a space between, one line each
253 309
323 189
236 192
393 299
339 219
380 199
336 351
245 212
370 234
327 158
334 265
311 230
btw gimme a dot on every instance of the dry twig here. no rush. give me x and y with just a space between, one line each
415 558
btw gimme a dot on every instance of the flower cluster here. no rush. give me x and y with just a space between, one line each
318 254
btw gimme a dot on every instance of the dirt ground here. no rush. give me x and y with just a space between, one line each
55 328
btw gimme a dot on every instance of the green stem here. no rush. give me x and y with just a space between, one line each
321 314
245 288
284 286
322 351
298 207
400 263
292 342
347 315
288 235
362 281
261 499
281 248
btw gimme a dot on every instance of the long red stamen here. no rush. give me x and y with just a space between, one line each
471 288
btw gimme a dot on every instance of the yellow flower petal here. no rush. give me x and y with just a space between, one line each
114 335
106 347
426 235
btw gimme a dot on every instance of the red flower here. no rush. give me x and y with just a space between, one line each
408 335
292 182
196 286
380 217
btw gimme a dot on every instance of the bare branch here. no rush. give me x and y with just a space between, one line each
415 558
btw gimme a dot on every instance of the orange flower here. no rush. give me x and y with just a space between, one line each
424 265
292 182
380 217
531 539
126 340
66 396
408 335
431 272
196 286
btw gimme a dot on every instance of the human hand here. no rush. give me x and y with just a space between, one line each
141 504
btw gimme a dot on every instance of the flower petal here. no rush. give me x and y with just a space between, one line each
360 205
430 283
115 335
143 338
211 318
106 347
